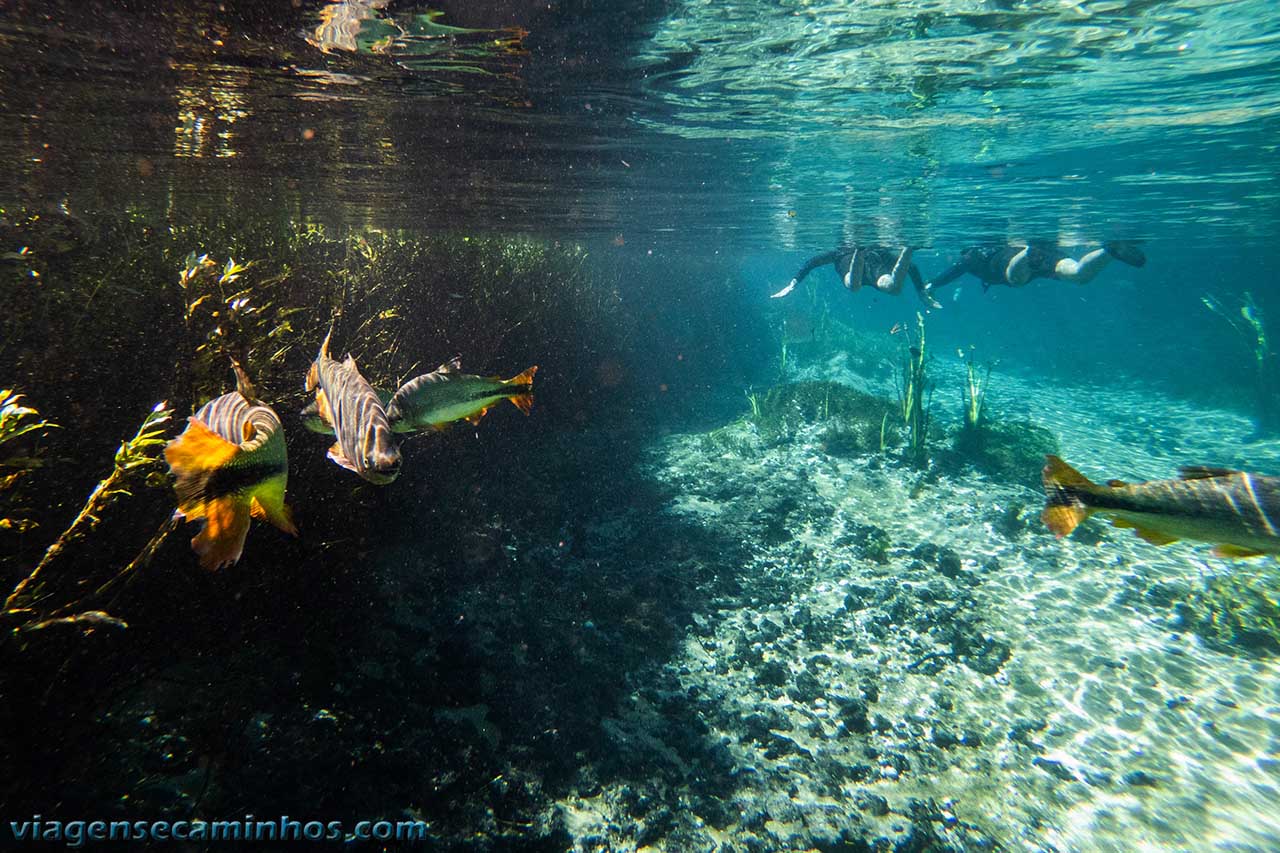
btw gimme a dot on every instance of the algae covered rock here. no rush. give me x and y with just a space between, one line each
857 422
1012 451
1235 613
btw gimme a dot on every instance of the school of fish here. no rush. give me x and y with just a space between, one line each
230 464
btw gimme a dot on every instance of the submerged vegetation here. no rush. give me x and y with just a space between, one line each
974 394
853 418
59 588
1250 325
183 298
1008 450
915 394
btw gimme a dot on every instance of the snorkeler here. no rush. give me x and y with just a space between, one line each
1014 266
879 267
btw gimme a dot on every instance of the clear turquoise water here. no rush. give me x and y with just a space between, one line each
701 151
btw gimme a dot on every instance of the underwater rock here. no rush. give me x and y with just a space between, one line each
773 674
871 803
945 560
1234 613
853 713
1022 730
1008 451
1139 779
854 418
1056 769
806 689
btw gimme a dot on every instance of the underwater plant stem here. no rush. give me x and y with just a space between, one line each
974 392
912 390
1249 323
131 460
144 558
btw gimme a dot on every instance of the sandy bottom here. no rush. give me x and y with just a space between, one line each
1039 695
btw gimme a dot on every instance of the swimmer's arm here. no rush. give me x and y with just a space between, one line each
953 273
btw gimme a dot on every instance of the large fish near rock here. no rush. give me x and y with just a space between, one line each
347 403
1238 511
230 465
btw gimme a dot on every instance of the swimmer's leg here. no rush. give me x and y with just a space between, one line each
891 282
1083 270
1018 272
853 275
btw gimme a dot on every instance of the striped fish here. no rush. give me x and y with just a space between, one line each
230 464
436 399
1238 511
349 405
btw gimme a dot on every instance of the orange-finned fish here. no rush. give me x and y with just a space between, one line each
446 394
230 464
1238 511
348 404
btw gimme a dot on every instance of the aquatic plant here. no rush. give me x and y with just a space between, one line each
136 463
974 392
1250 326
16 420
915 393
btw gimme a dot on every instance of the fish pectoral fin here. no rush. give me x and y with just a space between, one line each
323 409
1155 537
335 453
1116 484
268 504
1225 550
248 431
1203 472
476 418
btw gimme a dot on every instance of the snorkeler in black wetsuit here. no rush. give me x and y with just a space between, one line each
1016 265
874 266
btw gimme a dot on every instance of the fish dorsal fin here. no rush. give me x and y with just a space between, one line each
453 365
350 361
243 385
1203 472
1059 473
324 347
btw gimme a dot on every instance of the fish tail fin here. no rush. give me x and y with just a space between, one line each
193 458
226 524
268 504
1064 486
524 401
